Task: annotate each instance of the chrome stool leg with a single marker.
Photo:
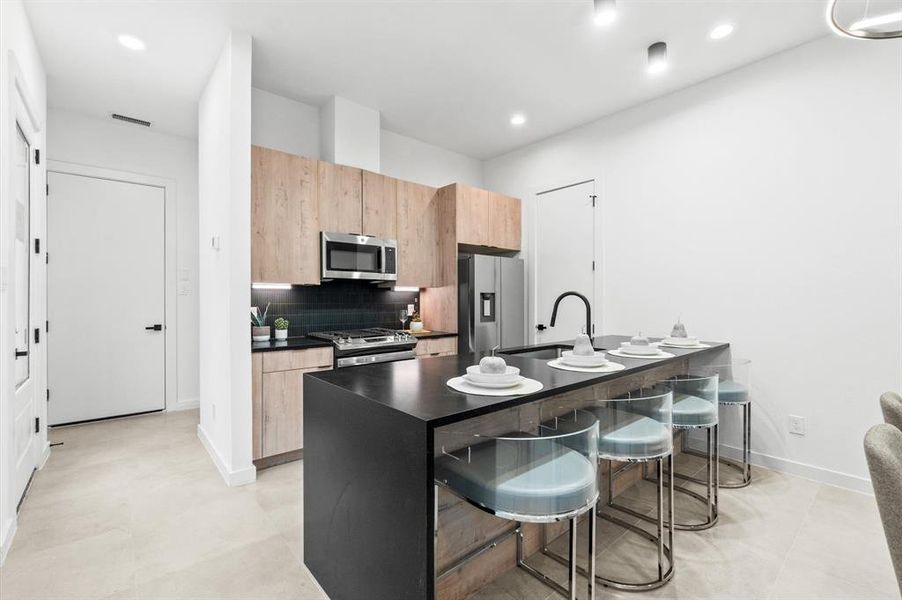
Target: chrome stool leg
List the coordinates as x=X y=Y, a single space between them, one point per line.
x=710 y=499
x=744 y=467
x=570 y=562
x=663 y=550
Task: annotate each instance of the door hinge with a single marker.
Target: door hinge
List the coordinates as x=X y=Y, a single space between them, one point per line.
x=48 y=395
x=593 y=197
x=37 y=424
x=47 y=259
x=37 y=246
x=37 y=335
x=593 y=265
x=37 y=156
x=47 y=326
x=48 y=189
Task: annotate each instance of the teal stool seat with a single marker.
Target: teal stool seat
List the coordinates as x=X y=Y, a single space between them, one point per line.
x=732 y=392
x=692 y=411
x=512 y=478
x=625 y=435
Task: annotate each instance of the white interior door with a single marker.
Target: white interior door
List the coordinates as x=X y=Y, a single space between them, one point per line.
x=105 y=297
x=24 y=410
x=564 y=260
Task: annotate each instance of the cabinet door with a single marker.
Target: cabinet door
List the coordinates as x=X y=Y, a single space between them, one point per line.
x=416 y=234
x=339 y=195
x=283 y=411
x=445 y=346
x=380 y=203
x=284 y=218
x=504 y=221
x=472 y=216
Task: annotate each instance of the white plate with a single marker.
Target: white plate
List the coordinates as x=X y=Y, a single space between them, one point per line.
x=527 y=386
x=608 y=367
x=510 y=376
x=576 y=360
x=661 y=354
x=686 y=341
x=683 y=346
x=493 y=384
x=646 y=350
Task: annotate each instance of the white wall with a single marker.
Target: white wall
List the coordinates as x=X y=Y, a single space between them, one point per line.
x=406 y=158
x=290 y=126
x=109 y=144
x=284 y=124
x=224 y=146
x=349 y=134
x=771 y=198
x=17 y=40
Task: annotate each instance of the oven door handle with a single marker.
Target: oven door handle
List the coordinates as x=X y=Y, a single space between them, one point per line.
x=370 y=359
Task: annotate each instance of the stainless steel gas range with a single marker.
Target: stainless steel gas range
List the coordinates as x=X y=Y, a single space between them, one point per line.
x=367 y=346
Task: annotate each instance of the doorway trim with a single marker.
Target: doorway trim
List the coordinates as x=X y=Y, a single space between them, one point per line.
x=532 y=213
x=170 y=269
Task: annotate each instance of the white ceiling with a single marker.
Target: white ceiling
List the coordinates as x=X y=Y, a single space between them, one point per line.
x=446 y=72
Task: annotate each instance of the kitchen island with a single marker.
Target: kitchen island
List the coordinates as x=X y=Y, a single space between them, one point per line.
x=370 y=503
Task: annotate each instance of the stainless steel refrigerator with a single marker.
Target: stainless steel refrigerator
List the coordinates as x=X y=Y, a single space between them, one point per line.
x=491 y=302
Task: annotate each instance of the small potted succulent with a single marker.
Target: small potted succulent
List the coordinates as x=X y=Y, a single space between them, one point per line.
x=281 y=325
x=416 y=323
x=259 y=328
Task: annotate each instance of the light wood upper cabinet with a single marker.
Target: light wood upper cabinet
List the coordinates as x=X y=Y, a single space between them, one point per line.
x=504 y=221
x=416 y=215
x=380 y=204
x=472 y=215
x=284 y=218
x=339 y=194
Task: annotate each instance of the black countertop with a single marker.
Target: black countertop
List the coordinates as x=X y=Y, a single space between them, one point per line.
x=418 y=387
x=292 y=343
x=299 y=343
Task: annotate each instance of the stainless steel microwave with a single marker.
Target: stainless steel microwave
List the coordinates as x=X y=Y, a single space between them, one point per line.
x=352 y=256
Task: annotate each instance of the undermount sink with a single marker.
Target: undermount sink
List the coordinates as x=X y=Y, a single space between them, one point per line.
x=548 y=352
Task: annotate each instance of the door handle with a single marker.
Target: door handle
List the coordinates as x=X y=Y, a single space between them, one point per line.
x=541 y=327
x=20 y=353
x=156 y=327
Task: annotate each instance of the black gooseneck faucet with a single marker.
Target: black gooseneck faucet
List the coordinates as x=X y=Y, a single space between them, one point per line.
x=588 y=310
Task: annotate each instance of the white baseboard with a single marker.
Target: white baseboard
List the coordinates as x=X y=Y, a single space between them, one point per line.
x=185 y=404
x=232 y=477
x=792 y=467
x=45 y=454
x=6 y=538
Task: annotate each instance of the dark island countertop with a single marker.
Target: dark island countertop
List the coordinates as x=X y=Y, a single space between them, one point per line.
x=418 y=388
x=302 y=342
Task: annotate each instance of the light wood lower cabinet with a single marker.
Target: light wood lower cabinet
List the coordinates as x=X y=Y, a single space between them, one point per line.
x=444 y=346
x=278 y=397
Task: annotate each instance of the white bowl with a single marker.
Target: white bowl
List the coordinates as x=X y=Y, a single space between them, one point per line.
x=628 y=348
x=511 y=375
x=681 y=341
x=577 y=360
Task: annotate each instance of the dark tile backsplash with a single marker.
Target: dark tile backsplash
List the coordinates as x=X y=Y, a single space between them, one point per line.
x=334 y=305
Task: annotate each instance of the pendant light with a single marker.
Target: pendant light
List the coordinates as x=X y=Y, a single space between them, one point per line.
x=605 y=11
x=657 y=58
x=866 y=19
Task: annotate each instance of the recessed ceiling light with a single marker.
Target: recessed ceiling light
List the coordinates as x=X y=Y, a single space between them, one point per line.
x=518 y=119
x=657 y=58
x=131 y=42
x=605 y=11
x=721 y=31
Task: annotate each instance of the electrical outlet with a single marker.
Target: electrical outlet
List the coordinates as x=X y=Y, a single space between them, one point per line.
x=410 y=309
x=797 y=425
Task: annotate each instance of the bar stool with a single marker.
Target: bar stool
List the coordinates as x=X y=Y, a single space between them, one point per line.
x=637 y=428
x=695 y=399
x=543 y=475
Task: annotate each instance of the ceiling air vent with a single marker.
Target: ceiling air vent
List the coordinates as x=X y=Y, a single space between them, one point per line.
x=132 y=120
